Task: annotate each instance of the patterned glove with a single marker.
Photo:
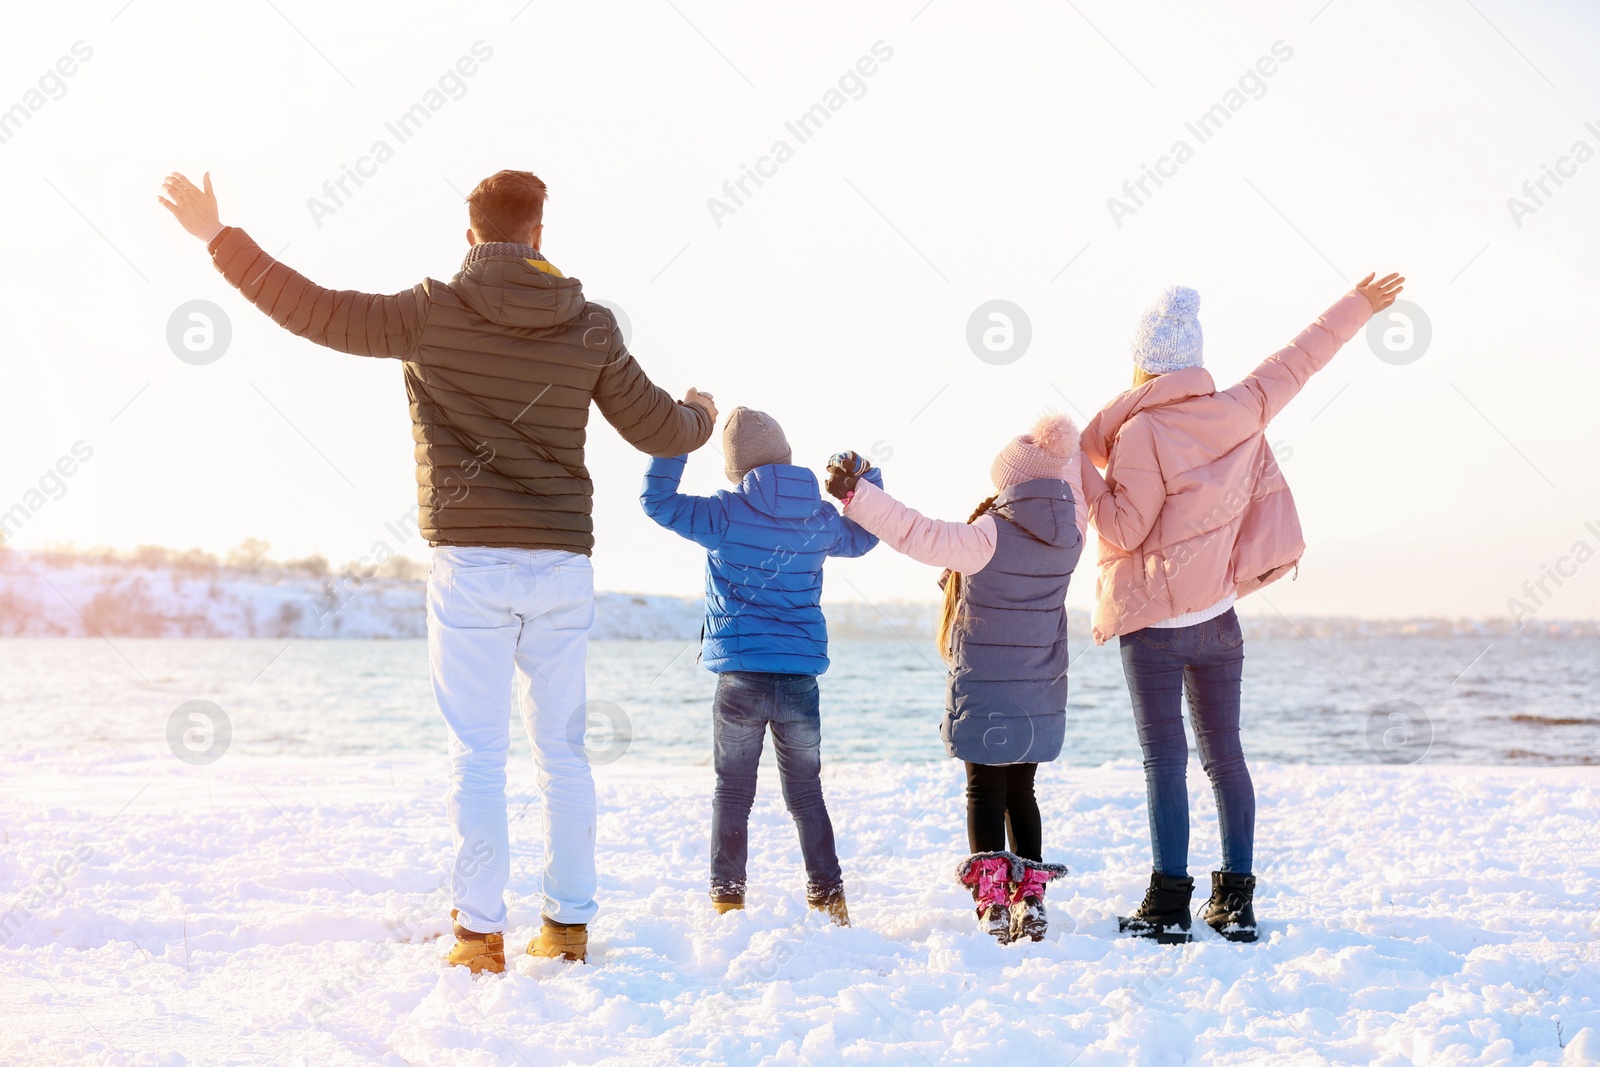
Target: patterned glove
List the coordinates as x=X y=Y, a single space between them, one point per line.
x=844 y=471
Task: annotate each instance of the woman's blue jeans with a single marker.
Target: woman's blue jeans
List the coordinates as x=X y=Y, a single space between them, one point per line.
x=746 y=703
x=1206 y=662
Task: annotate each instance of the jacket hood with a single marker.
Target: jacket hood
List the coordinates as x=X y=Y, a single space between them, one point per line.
x=782 y=491
x=513 y=285
x=1044 y=508
x=1174 y=387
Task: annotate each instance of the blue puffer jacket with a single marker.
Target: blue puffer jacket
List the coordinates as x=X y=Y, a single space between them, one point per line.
x=766 y=542
x=1007 y=697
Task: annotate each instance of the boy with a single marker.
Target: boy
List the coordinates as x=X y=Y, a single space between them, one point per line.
x=765 y=638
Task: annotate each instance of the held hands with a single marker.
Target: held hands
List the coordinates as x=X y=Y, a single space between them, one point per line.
x=844 y=471
x=701 y=400
x=1381 y=293
x=196 y=211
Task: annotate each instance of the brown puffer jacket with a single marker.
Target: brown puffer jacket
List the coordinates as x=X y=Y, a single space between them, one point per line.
x=501 y=363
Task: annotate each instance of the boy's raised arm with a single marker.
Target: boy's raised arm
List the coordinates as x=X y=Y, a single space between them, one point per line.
x=854 y=539
x=702 y=519
x=361 y=324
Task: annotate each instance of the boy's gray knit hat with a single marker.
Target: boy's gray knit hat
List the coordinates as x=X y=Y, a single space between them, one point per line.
x=751 y=439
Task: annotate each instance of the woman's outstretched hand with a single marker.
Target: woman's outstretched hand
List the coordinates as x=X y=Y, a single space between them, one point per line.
x=1381 y=293
x=195 y=209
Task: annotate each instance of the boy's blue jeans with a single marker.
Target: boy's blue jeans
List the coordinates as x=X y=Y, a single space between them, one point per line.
x=1206 y=662
x=746 y=702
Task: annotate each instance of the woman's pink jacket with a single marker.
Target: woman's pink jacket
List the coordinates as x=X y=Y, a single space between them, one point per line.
x=1193 y=507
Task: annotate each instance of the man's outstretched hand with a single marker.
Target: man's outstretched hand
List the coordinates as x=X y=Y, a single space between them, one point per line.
x=699 y=400
x=1381 y=293
x=195 y=210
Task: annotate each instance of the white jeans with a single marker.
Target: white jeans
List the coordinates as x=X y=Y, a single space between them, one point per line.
x=498 y=617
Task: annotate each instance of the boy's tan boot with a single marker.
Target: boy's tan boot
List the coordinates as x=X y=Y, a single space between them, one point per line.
x=559 y=942
x=726 y=902
x=477 y=952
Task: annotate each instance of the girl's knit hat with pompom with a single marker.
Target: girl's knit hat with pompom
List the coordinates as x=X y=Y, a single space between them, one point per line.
x=1168 y=337
x=1042 y=452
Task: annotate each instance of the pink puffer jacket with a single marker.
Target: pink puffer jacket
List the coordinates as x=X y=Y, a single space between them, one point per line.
x=1193 y=506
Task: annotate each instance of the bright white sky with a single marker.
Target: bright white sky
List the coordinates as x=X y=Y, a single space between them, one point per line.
x=976 y=166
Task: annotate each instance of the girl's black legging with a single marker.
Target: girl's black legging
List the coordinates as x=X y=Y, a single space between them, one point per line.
x=1000 y=801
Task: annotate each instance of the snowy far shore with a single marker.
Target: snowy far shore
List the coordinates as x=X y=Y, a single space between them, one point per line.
x=159 y=593
x=290 y=911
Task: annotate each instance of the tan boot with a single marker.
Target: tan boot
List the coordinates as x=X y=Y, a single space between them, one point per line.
x=558 y=942
x=725 y=903
x=834 y=908
x=477 y=952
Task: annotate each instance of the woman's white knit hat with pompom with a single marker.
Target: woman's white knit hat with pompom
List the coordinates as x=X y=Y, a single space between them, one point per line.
x=1168 y=337
x=1043 y=452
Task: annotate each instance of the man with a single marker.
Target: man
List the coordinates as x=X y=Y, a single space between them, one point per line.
x=500 y=364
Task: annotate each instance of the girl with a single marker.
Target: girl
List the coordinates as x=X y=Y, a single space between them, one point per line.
x=1192 y=513
x=1003 y=631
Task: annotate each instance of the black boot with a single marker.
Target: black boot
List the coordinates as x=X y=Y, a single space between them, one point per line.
x=1231 y=910
x=1164 y=915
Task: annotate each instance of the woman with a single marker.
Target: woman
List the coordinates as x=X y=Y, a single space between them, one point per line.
x=1192 y=513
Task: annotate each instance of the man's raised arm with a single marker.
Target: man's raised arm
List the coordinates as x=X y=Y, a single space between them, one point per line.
x=645 y=414
x=359 y=323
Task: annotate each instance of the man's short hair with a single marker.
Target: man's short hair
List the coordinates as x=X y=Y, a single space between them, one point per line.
x=506 y=206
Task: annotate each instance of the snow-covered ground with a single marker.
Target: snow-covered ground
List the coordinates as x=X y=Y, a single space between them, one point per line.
x=286 y=910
